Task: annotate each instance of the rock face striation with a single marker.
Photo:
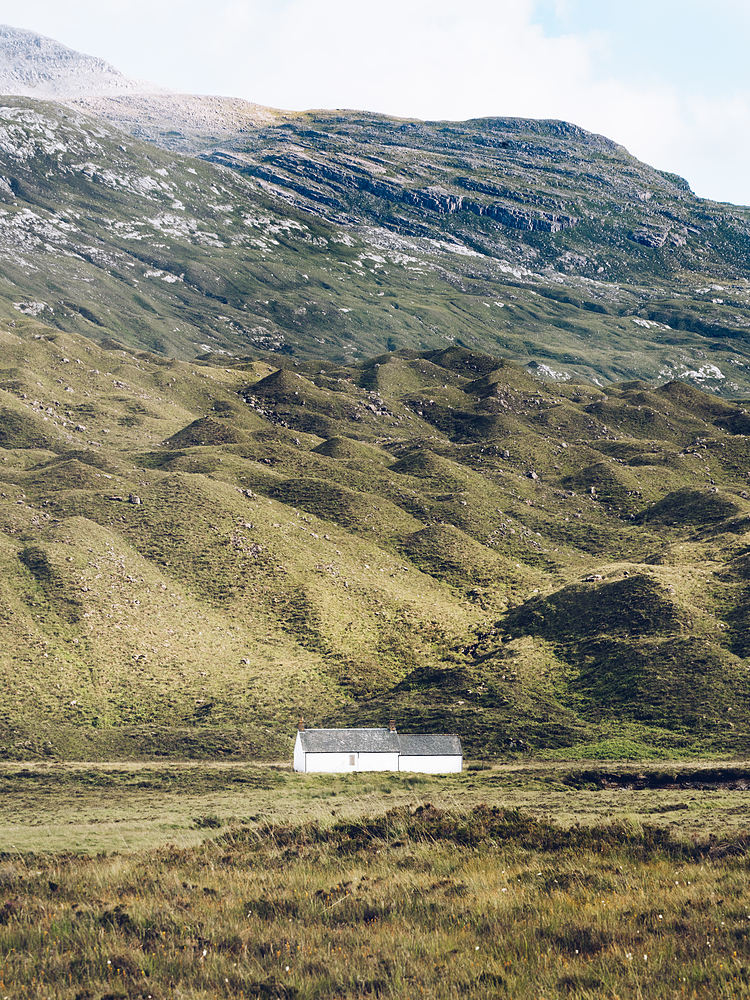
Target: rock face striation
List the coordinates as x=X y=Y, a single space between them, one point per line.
x=34 y=66
x=545 y=195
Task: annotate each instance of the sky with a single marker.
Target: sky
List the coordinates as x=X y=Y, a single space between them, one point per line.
x=668 y=79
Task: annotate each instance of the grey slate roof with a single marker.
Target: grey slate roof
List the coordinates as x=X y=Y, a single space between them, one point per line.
x=378 y=741
x=430 y=745
x=349 y=741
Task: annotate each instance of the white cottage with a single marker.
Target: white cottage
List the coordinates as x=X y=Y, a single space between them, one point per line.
x=342 y=750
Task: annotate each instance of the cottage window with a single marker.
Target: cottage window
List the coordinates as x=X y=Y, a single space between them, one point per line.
x=351 y=760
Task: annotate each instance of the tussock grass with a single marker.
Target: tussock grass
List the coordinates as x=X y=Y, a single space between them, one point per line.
x=413 y=902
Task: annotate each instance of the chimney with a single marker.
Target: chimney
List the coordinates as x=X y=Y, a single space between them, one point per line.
x=393 y=726
x=301 y=726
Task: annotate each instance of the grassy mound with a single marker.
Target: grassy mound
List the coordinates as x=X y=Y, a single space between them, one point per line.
x=204 y=431
x=22 y=430
x=690 y=398
x=361 y=511
x=345 y=449
x=424 y=464
x=616 y=487
x=71 y=474
x=447 y=553
x=693 y=507
x=684 y=683
x=635 y=605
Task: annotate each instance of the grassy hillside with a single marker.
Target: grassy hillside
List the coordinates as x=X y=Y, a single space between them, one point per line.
x=195 y=554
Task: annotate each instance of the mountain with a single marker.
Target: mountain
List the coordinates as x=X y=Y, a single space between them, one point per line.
x=348 y=416
x=34 y=66
x=337 y=235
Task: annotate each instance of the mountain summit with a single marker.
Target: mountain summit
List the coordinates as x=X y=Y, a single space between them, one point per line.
x=32 y=65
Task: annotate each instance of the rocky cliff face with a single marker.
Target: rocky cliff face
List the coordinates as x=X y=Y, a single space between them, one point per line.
x=588 y=206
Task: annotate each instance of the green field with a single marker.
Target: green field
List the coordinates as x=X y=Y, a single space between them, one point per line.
x=115 y=807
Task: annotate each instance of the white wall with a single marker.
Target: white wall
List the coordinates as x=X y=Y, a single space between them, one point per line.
x=299 y=756
x=377 y=761
x=330 y=763
x=431 y=765
x=339 y=763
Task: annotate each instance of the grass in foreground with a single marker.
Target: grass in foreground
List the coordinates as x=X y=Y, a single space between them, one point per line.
x=422 y=902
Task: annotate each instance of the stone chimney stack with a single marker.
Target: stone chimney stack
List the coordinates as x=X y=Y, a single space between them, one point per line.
x=301 y=724
x=393 y=726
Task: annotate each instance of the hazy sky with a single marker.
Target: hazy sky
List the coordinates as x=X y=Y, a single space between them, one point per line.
x=669 y=79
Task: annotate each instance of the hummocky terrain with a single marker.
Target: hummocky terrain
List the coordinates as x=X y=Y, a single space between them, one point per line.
x=195 y=554
x=345 y=416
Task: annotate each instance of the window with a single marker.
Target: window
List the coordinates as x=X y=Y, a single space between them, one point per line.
x=351 y=760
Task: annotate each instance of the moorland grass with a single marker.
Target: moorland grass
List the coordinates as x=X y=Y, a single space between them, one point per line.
x=418 y=902
x=133 y=805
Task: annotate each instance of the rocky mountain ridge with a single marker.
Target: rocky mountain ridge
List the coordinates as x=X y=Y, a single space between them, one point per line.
x=116 y=238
